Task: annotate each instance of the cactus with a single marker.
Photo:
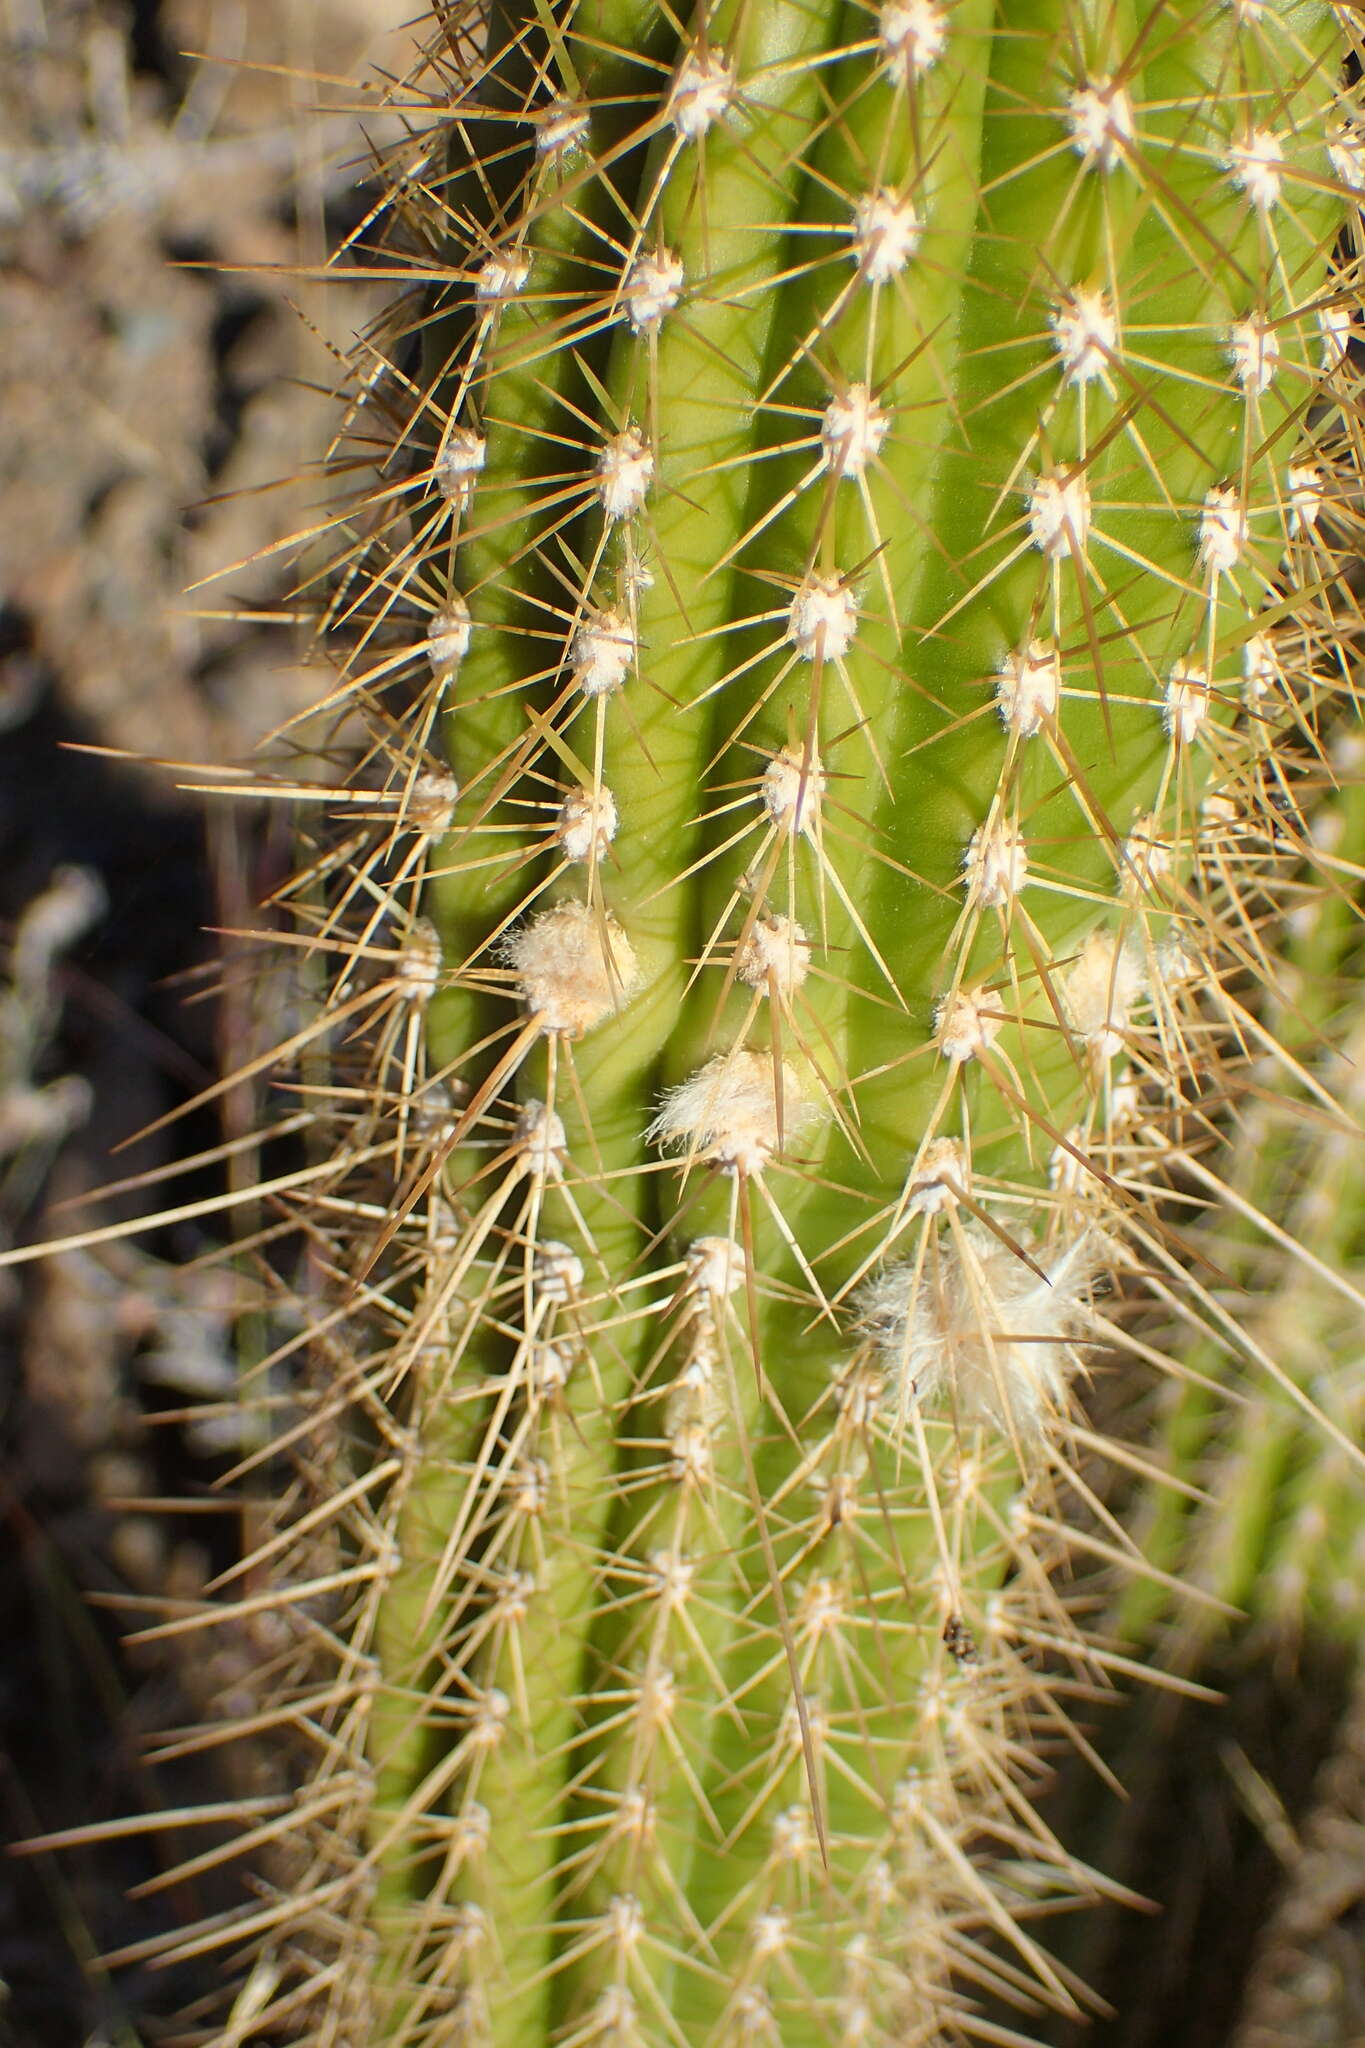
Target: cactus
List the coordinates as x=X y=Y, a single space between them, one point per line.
x=848 y=494
x=1279 y=1534
x=1260 y=1512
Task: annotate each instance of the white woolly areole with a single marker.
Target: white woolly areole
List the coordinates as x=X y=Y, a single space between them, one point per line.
x=964 y=1025
x=514 y=1592
x=448 y=632
x=793 y=1836
x=588 y=819
x=775 y=957
x=672 y=1577
x=1220 y=811
x=1059 y=515
x=886 y=234
x=1085 y=333
x=852 y=431
x=1185 y=706
x=913 y=35
x=1247 y=13
x=821 y=1609
x=1254 y=352
x=488 y=1712
x=551 y=1364
x=692 y=1396
x=458 y=466
x=1224 y=531
x=1306 y=496
x=429 y=805
x=1334 y=325
x=792 y=791
x=560 y=127
x=727 y=1113
x=529 y=1489
x=1260 y=670
x=471 y=1829
x=715 y=1269
x=614 y=2018
x=1125 y=1094
x=751 y=2023
x=823 y=619
x=1100 y=117
x=1102 y=988
x=1146 y=858
x=1346 y=149
x=691 y=1456
x=995 y=865
x=1028 y=688
x=652 y=289
x=625 y=471
x=855 y=2020
x=602 y=653
x=541 y=1141
x=1256 y=167
x=557 y=1271
x=770 y=1933
x=634 y=1817
x=976 y=1327
x=573 y=968
x=502 y=275
x=419 y=967
x=937 y=1177
x=625 y=1923
x=703 y=87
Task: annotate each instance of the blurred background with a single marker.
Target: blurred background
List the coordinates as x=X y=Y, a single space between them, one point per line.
x=169 y=172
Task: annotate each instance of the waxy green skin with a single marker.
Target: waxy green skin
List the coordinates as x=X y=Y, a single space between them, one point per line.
x=1284 y=1543
x=935 y=542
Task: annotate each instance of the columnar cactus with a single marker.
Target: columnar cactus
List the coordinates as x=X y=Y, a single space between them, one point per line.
x=1279 y=1533
x=859 y=502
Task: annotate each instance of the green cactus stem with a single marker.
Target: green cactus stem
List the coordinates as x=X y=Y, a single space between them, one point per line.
x=862 y=508
x=1280 y=1537
x=848 y=487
